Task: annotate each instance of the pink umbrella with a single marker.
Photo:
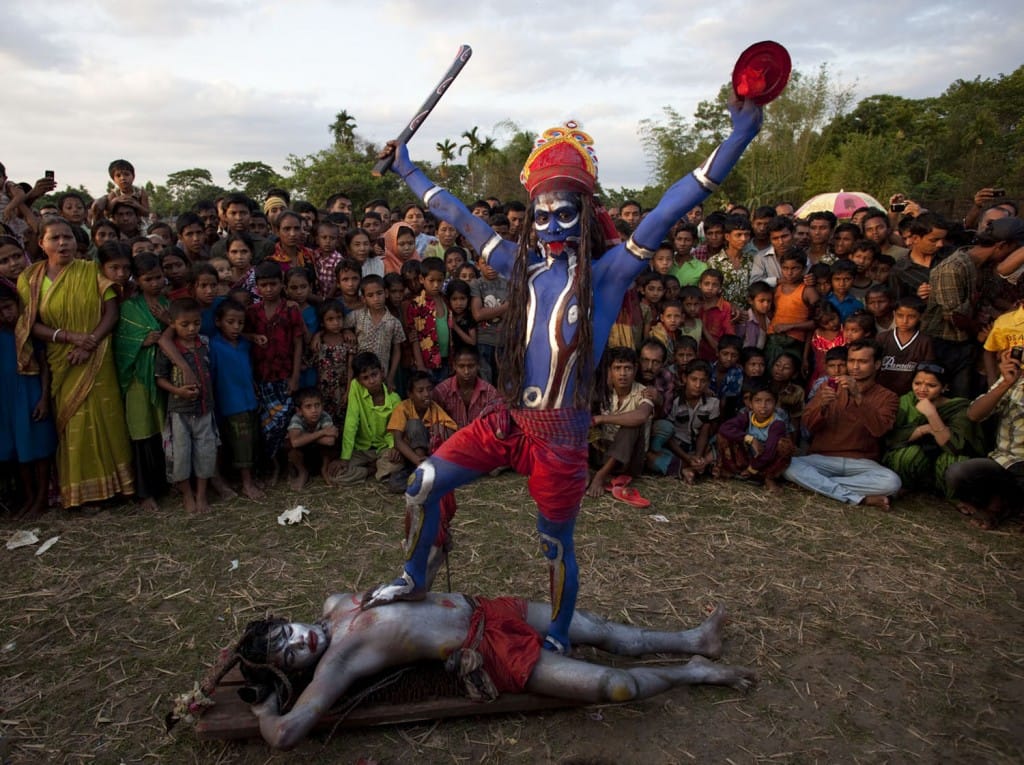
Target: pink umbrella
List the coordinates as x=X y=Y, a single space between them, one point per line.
x=842 y=203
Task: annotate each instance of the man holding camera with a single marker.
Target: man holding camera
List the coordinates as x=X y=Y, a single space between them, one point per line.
x=950 y=318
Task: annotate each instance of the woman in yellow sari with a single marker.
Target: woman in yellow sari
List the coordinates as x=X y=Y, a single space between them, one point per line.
x=70 y=306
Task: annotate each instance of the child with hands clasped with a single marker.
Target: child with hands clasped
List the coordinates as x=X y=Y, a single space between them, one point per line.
x=312 y=435
x=333 y=349
x=683 y=445
x=754 y=444
x=427 y=319
x=190 y=435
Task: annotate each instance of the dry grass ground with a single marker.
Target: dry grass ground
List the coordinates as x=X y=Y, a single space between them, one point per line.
x=878 y=637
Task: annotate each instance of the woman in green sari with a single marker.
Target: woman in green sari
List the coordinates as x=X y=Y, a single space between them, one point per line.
x=70 y=306
x=931 y=433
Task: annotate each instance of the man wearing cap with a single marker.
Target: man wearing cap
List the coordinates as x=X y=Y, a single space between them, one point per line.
x=951 y=315
x=564 y=294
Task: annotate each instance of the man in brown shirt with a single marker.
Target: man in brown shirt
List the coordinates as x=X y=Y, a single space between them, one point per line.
x=848 y=418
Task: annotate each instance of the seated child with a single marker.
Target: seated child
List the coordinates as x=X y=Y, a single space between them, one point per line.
x=754 y=444
x=122 y=173
x=683 y=445
x=620 y=429
x=835 y=366
x=418 y=426
x=190 y=436
x=367 y=448
x=311 y=438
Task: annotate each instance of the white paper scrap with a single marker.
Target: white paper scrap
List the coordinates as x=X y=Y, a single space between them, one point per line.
x=47 y=545
x=293 y=516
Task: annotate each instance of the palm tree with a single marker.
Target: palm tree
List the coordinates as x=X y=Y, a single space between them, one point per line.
x=446 y=149
x=343 y=128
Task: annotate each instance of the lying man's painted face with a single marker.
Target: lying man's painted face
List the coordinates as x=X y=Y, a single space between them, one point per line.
x=556 y=218
x=293 y=645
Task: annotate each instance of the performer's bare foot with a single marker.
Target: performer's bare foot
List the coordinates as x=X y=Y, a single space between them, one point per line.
x=250 y=490
x=221 y=487
x=403 y=588
x=877 y=500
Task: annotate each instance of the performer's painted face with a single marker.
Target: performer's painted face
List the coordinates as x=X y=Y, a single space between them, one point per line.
x=556 y=217
x=296 y=646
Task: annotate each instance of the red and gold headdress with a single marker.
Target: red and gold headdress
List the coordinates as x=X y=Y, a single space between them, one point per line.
x=563 y=160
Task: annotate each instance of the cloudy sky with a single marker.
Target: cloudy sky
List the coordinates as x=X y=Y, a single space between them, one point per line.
x=190 y=83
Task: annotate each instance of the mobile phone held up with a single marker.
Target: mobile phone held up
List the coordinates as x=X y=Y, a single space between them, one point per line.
x=48 y=174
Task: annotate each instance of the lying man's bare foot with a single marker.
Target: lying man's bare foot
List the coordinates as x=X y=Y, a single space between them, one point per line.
x=740 y=678
x=877 y=500
x=710 y=631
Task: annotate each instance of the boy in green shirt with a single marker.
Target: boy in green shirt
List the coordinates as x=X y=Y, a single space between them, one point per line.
x=367 y=448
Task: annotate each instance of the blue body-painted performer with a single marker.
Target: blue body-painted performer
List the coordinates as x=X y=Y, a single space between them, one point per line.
x=565 y=293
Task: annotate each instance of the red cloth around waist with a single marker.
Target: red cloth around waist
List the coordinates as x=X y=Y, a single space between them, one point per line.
x=509 y=646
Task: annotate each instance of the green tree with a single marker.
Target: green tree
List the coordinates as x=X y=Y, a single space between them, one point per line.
x=254 y=178
x=446 y=149
x=187 y=187
x=316 y=176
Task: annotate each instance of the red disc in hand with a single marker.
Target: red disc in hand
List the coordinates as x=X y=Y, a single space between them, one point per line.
x=761 y=72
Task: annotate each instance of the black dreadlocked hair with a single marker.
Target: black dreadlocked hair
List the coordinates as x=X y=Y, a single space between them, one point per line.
x=512 y=371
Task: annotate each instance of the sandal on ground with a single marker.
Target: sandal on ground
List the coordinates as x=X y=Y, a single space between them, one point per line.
x=630 y=496
x=619 y=480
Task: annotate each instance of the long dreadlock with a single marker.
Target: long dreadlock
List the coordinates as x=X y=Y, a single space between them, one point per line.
x=512 y=371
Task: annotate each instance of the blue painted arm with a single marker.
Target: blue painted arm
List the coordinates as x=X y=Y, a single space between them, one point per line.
x=698 y=185
x=445 y=206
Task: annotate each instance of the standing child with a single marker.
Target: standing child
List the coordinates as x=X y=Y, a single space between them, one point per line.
x=788 y=394
x=312 y=436
x=686 y=351
x=347 y=275
x=359 y=248
x=204 y=281
x=904 y=346
x=326 y=258
x=652 y=292
x=176 y=272
x=367 y=448
x=116 y=264
x=378 y=331
x=234 y=392
x=692 y=326
x=222 y=266
x=297 y=289
x=460 y=320
x=427 y=319
x=666 y=328
x=122 y=173
x=859 y=325
x=27 y=434
x=239 y=249
x=716 y=314
x=794 y=307
x=489 y=306
x=754 y=444
x=879 y=304
x=277 y=332
x=827 y=334
x=753 y=325
x=142 y=321
x=821 y=275
x=334 y=349
x=190 y=436
x=661 y=263
x=863 y=257
x=843 y=272
x=727 y=375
